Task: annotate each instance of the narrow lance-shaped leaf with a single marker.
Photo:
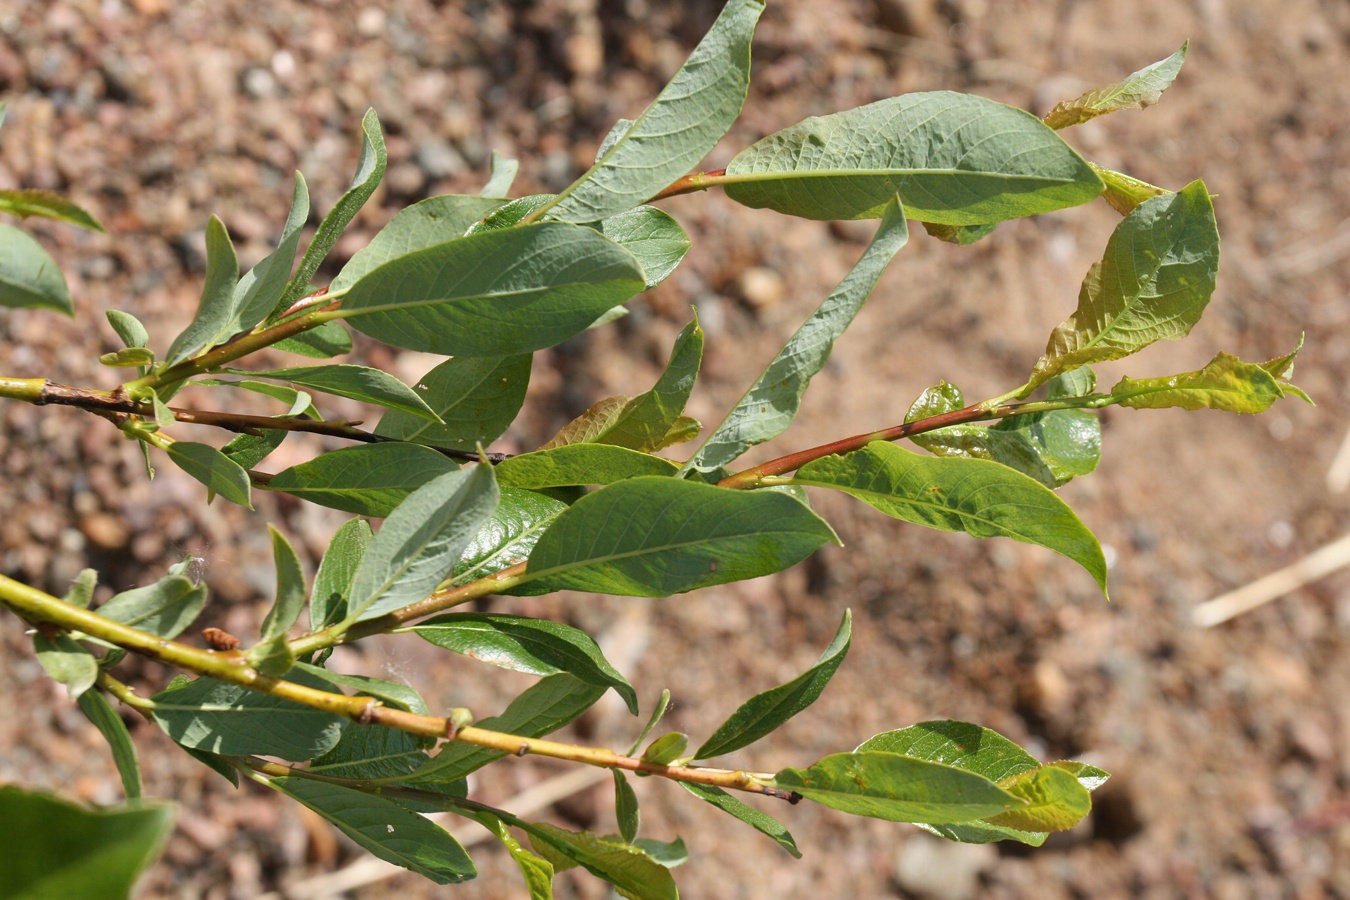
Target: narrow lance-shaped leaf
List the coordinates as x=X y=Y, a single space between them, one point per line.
x=419 y=543
x=626 y=809
x=214 y=469
x=165 y=608
x=580 y=464
x=370 y=166
x=369 y=480
x=652 y=537
x=496 y=292
x=952 y=158
x=261 y=289
x=385 y=829
x=476 y=398
x=27 y=202
x=1153 y=283
x=681 y=126
x=1139 y=90
x=99 y=711
x=981 y=498
x=29 y=277
x=633 y=873
x=333 y=582
x=355 y=382
x=1225 y=382
x=271 y=655
x=504 y=171
x=215 y=310
x=761 y=822
x=772 y=402
x=538 y=873
x=764 y=712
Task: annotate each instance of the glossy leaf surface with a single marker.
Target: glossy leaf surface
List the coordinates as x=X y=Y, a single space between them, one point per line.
x=369 y=480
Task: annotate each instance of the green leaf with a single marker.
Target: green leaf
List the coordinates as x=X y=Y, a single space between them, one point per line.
x=127 y=358
x=583 y=464
x=504 y=171
x=509 y=535
x=128 y=328
x=626 y=809
x=428 y=223
x=355 y=382
x=510 y=214
x=534 y=646
x=250 y=449
x=952 y=158
x=656 y=239
x=542 y=709
x=1139 y=90
x=370 y=166
x=761 y=822
x=1153 y=283
x=666 y=749
x=271 y=655
x=495 y=293
x=1282 y=367
x=1123 y=192
x=259 y=291
x=232 y=720
x=420 y=542
x=214 y=469
x=81 y=591
x=964 y=235
x=608 y=415
x=333 y=582
x=385 y=829
x=764 y=712
x=320 y=342
x=766 y=410
x=47 y=205
x=679 y=128
x=612 y=137
x=67 y=662
x=476 y=399
x=393 y=693
x=1225 y=382
x=668 y=853
x=538 y=873
x=57 y=849
x=99 y=711
x=981 y=498
x=215 y=309
x=369 y=480
x=633 y=873
x=658 y=713
x=652 y=537
x=897 y=788
x=165 y=608
x=298 y=403
x=1055 y=801
x=29 y=277
x=370 y=753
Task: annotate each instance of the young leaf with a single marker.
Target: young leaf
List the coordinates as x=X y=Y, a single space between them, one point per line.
x=165 y=608
x=370 y=166
x=626 y=809
x=764 y=712
x=333 y=581
x=231 y=720
x=583 y=464
x=324 y=340
x=271 y=656
x=897 y=788
x=54 y=848
x=67 y=662
x=1123 y=192
x=540 y=710
x=356 y=382
x=658 y=713
x=81 y=591
x=1153 y=283
x=476 y=399
x=681 y=126
x=981 y=498
x=651 y=235
x=535 y=646
x=538 y=873
x=99 y=711
x=772 y=402
x=633 y=873
x=47 y=205
x=1225 y=382
x=504 y=171
x=215 y=310
x=29 y=277
x=1139 y=90
x=421 y=540
x=1055 y=801
x=428 y=223
x=384 y=828
x=761 y=822
x=509 y=535
x=666 y=749
x=128 y=328
x=214 y=469
x=298 y=403
x=127 y=358
x=952 y=158
x=652 y=537
x=668 y=853
x=608 y=415
x=260 y=290
x=495 y=293
x=369 y=480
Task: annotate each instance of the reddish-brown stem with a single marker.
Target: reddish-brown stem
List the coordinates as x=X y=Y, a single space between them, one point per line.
x=689 y=184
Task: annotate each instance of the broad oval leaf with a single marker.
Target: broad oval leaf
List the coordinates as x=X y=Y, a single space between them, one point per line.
x=509 y=534
x=981 y=498
x=214 y=469
x=476 y=399
x=1139 y=90
x=651 y=235
x=580 y=464
x=666 y=749
x=29 y=277
x=953 y=159
x=421 y=540
x=67 y=662
x=1225 y=382
x=1055 y=801
x=495 y=293
x=215 y=309
x=369 y=480
x=164 y=608
x=652 y=537
x=897 y=788
x=678 y=129
x=764 y=712
x=333 y=582
x=535 y=646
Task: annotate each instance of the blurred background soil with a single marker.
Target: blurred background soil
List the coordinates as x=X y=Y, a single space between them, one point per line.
x=1230 y=746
